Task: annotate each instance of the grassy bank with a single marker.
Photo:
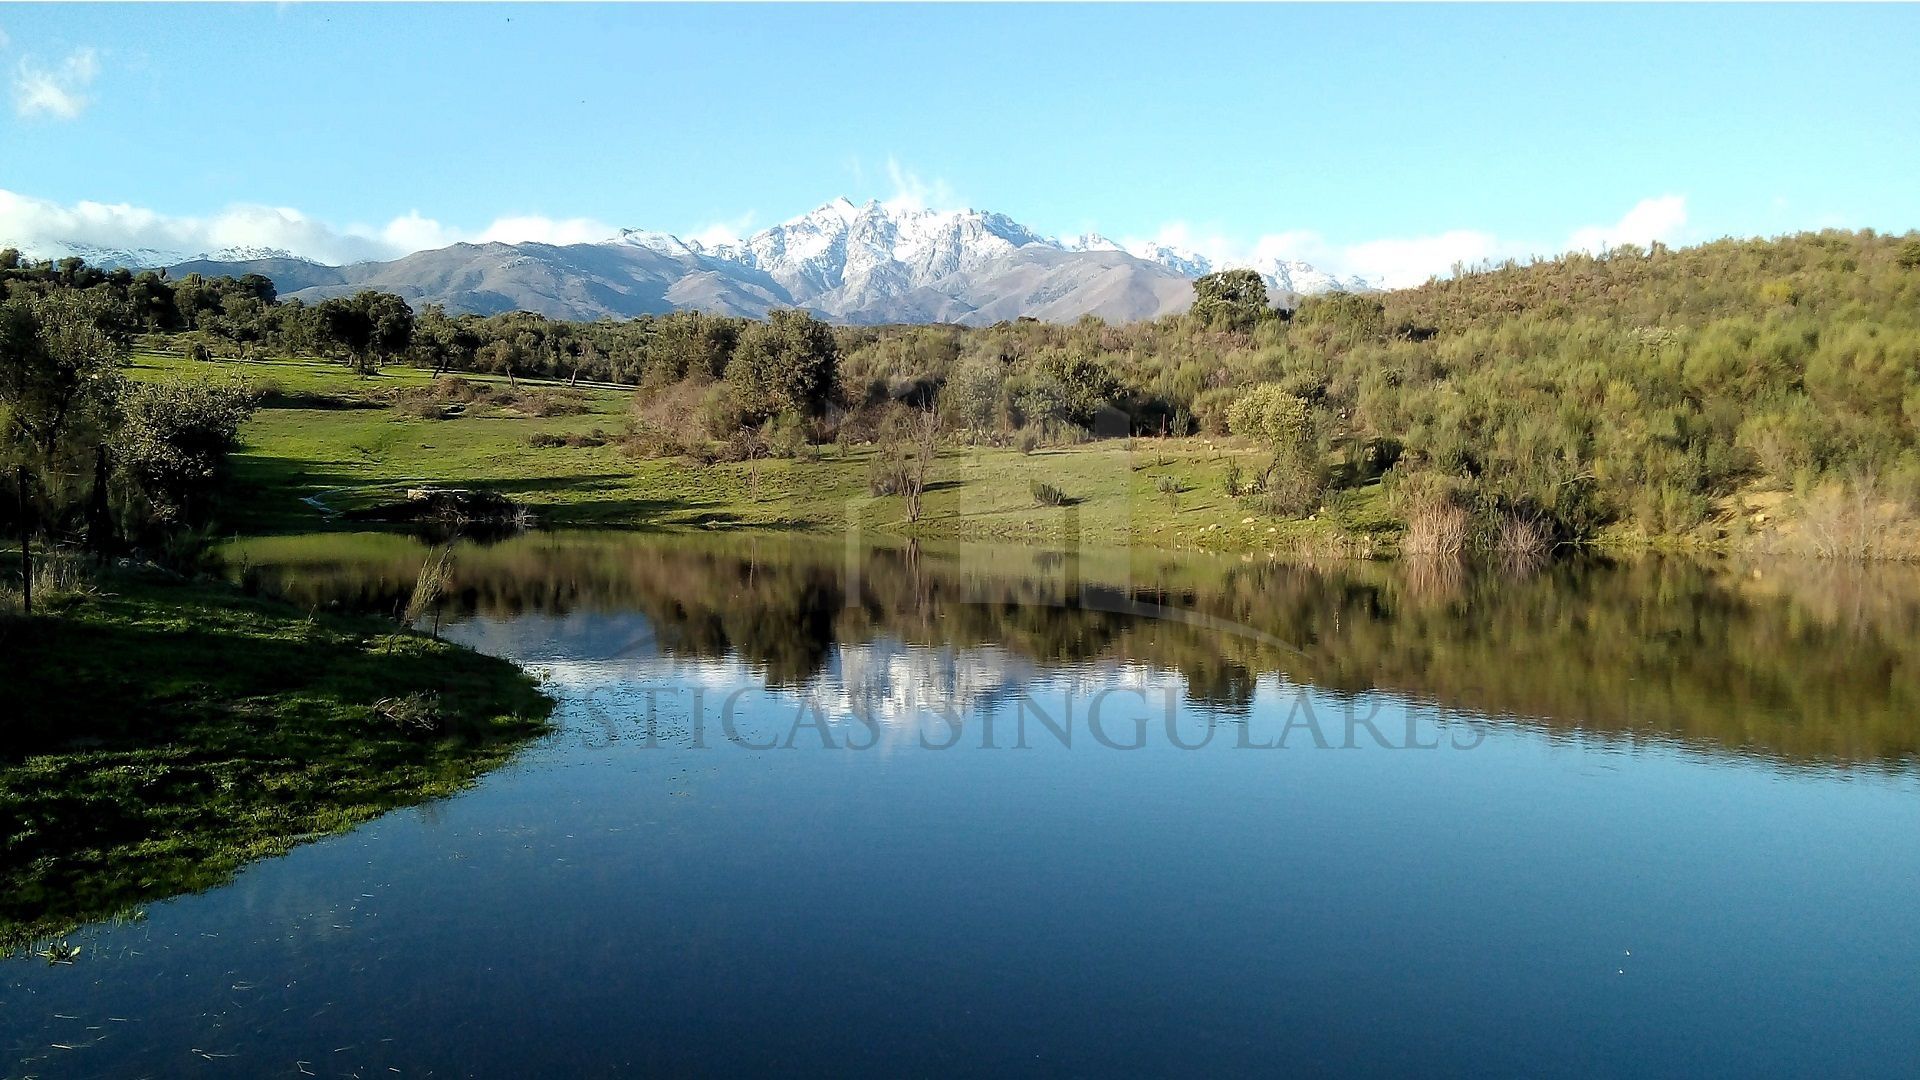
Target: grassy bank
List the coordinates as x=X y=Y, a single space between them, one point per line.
x=328 y=440
x=162 y=734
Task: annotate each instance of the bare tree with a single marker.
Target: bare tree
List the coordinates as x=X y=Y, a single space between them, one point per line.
x=924 y=429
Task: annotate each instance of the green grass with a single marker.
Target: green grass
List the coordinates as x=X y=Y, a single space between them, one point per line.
x=347 y=458
x=162 y=734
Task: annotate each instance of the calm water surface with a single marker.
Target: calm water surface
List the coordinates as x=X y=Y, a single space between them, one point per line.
x=1648 y=818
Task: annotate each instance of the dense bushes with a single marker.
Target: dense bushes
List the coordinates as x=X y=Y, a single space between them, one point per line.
x=89 y=456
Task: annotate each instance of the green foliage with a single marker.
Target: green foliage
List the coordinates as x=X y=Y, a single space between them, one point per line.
x=173 y=441
x=370 y=328
x=787 y=363
x=1356 y=316
x=975 y=393
x=60 y=354
x=1230 y=300
x=60 y=384
x=1274 y=417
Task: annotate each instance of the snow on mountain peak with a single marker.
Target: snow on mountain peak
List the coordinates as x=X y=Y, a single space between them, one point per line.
x=847 y=253
x=248 y=252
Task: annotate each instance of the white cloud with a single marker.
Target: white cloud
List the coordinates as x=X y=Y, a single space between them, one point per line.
x=40 y=225
x=412 y=232
x=910 y=192
x=58 y=92
x=415 y=232
x=1392 y=262
x=4 y=39
x=1400 y=262
x=724 y=232
x=1659 y=218
x=542 y=230
x=37 y=225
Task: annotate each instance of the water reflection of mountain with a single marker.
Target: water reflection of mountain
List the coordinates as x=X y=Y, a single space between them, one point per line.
x=1801 y=662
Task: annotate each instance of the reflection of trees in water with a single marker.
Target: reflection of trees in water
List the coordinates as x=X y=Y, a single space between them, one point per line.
x=1797 y=660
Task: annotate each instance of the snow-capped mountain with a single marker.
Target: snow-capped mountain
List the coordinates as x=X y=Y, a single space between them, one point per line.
x=107 y=258
x=249 y=251
x=110 y=258
x=844 y=257
x=853 y=262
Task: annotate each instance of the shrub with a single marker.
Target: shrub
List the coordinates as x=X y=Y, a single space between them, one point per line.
x=1524 y=536
x=786 y=435
x=1293 y=488
x=1272 y=416
x=417 y=713
x=173 y=442
x=1844 y=520
x=973 y=394
x=1438 y=528
x=546 y=401
x=1045 y=494
x=650 y=442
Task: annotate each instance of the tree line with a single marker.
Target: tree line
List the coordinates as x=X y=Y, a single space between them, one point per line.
x=90 y=458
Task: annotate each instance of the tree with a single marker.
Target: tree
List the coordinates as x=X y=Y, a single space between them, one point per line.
x=974 y=392
x=908 y=444
x=392 y=322
x=191 y=297
x=151 y=298
x=172 y=444
x=60 y=354
x=690 y=343
x=1296 y=478
x=1910 y=254
x=1231 y=300
x=371 y=327
x=442 y=343
x=788 y=362
x=343 y=326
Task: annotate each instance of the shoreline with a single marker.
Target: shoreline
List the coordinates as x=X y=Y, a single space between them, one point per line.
x=170 y=732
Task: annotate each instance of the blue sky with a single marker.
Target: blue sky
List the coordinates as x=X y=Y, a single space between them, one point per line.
x=1380 y=138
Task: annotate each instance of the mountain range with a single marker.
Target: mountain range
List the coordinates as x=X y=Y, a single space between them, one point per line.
x=854 y=263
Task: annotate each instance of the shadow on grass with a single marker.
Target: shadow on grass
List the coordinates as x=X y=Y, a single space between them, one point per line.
x=267 y=495
x=301 y=400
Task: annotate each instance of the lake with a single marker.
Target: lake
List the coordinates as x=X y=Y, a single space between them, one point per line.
x=813 y=807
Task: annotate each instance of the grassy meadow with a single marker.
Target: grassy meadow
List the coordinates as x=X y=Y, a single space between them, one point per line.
x=327 y=440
